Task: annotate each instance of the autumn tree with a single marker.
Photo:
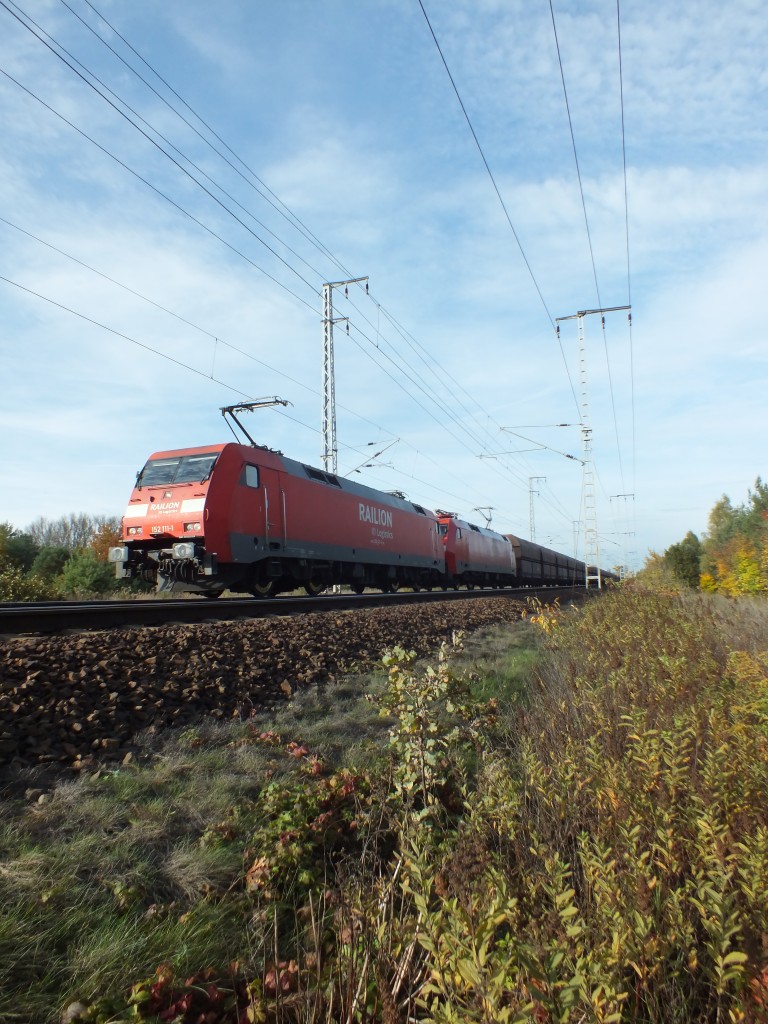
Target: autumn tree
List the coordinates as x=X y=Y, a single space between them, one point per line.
x=75 y=532
x=657 y=575
x=107 y=535
x=734 y=556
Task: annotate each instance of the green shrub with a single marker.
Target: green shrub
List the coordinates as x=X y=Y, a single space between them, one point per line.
x=49 y=562
x=83 y=575
x=15 y=585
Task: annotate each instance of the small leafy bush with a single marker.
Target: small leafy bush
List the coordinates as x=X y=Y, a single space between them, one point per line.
x=16 y=585
x=84 y=574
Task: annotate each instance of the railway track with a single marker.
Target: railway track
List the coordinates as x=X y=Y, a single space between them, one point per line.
x=74 y=699
x=62 y=616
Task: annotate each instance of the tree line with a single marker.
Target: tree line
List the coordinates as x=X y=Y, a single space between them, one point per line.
x=732 y=556
x=58 y=558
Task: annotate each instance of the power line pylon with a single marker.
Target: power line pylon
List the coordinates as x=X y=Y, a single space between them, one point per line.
x=592 y=575
x=330 y=448
x=531 y=524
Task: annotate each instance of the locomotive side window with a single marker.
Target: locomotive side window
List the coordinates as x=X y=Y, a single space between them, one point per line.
x=250 y=476
x=180 y=469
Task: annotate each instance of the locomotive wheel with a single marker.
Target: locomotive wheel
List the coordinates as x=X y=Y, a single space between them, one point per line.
x=263 y=589
x=212 y=595
x=357 y=588
x=390 y=587
x=314 y=587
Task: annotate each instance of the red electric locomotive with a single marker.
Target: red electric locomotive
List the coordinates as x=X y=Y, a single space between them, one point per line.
x=476 y=556
x=246 y=518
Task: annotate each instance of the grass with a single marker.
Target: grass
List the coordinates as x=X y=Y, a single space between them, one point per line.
x=567 y=822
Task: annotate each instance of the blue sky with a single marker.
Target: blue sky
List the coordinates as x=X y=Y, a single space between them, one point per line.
x=332 y=133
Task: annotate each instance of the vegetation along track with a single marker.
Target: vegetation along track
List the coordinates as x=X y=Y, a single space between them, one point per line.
x=70 y=701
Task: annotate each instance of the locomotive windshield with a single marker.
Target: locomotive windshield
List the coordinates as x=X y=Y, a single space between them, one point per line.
x=179 y=469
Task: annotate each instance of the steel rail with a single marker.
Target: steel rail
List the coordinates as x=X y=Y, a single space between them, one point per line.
x=59 y=617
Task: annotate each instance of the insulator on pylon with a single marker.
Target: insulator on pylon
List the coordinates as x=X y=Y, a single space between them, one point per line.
x=346 y=292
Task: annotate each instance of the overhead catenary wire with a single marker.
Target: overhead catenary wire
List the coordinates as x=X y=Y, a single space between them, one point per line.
x=397 y=357
x=214 y=337
x=186 y=366
x=289 y=214
x=589 y=236
x=200 y=373
x=150 y=185
x=452 y=387
x=510 y=473
x=626 y=233
x=275 y=200
x=149 y=348
x=487 y=165
x=160 y=134
x=176 y=163
x=499 y=196
x=155 y=189
x=159 y=147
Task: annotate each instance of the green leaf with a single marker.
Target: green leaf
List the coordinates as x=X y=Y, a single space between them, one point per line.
x=734 y=958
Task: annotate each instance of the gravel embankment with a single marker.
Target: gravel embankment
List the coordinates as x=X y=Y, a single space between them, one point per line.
x=71 y=700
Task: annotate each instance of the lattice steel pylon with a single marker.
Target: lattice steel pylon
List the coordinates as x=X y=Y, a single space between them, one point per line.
x=531 y=521
x=330 y=447
x=589 y=501
x=592 y=575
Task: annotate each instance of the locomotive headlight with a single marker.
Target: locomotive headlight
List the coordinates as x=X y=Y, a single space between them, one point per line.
x=183 y=550
x=134 y=530
x=118 y=554
x=192 y=527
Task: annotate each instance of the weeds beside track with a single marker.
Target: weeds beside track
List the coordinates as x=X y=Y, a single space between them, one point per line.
x=571 y=832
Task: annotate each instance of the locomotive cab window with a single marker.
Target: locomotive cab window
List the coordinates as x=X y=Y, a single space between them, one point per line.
x=250 y=476
x=180 y=469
